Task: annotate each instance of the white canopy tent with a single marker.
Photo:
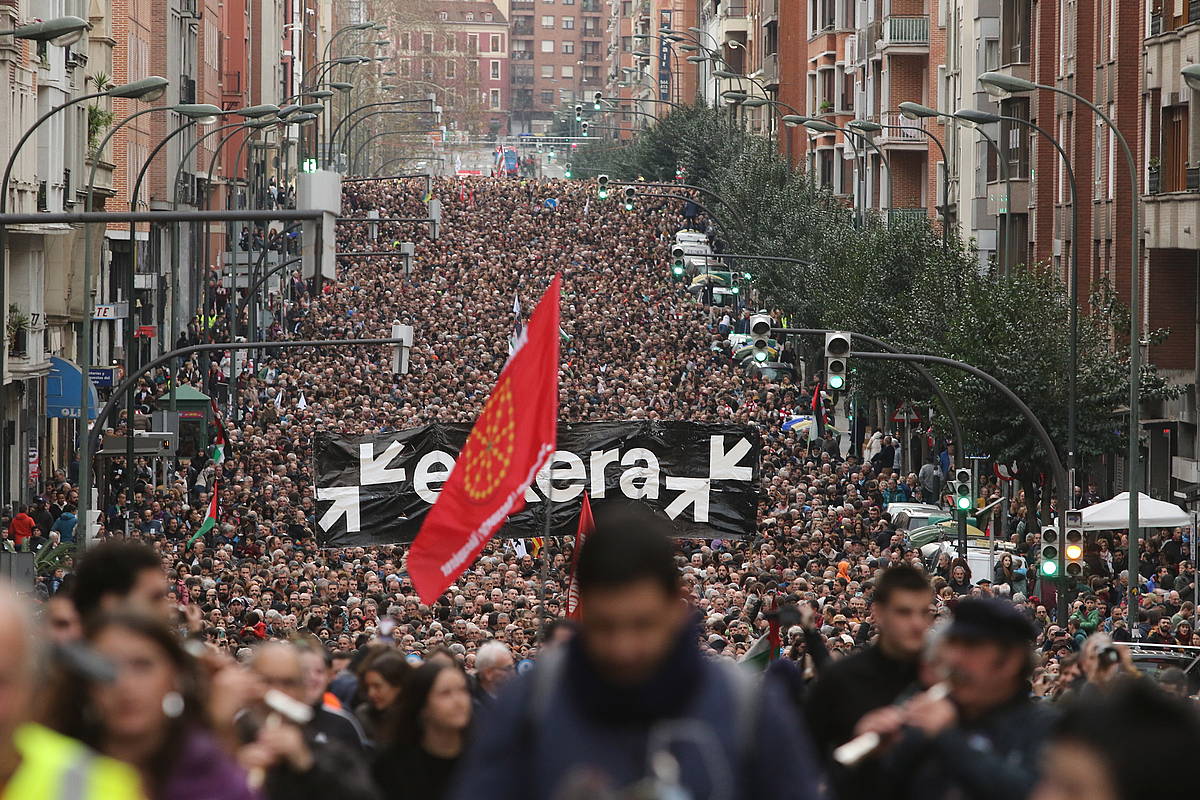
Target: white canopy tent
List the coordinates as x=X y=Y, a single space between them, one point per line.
x=1114 y=514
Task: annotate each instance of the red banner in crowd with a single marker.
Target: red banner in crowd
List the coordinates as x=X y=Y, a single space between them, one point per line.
x=513 y=438
x=586 y=525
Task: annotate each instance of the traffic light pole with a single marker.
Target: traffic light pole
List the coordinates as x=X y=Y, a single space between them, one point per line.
x=934 y=385
x=1039 y=430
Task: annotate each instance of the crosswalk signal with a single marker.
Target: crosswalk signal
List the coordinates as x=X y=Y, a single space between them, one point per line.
x=760 y=337
x=579 y=112
x=602 y=191
x=963 y=491
x=837 y=348
x=596 y=98
x=1073 y=543
x=1049 y=551
x=630 y=194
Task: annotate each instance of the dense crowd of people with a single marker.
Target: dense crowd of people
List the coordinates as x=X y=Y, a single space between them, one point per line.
x=385 y=691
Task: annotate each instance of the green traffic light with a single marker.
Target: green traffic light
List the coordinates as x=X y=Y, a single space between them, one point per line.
x=604 y=194
x=1049 y=568
x=837 y=381
x=678 y=270
x=963 y=502
x=629 y=206
x=761 y=355
x=566 y=173
x=737 y=290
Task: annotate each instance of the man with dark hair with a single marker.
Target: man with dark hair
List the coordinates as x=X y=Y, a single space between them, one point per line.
x=119 y=573
x=982 y=736
x=874 y=677
x=630 y=699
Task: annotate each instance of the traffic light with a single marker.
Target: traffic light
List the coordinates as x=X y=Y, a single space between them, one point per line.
x=567 y=170
x=963 y=491
x=1048 y=552
x=583 y=128
x=579 y=112
x=678 y=265
x=1073 y=543
x=630 y=194
x=760 y=336
x=602 y=191
x=837 y=348
x=596 y=98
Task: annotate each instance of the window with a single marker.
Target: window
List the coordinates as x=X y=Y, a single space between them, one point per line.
x=568 y=23
x=548 y=22
x=472 y=43
x=451 y=44
x=547 y=45
x=470 y=16
x=494 y=98
x=627 y=8
x=568 y=71
x=626 y=44
x=1015 y=31
x=451 y=69
x=568 y=2
x=547 y=70
x=427 y=42
x=495 y=70
x=443 y=16
x=568 y=48
x=497 y=44
x=991 y=54
x=404 y=67
x=473 y=70
x=547 y=96
x=404 y=41
x=487 y=16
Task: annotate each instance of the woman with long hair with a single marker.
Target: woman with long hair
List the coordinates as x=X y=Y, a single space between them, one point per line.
x=150 y=714
x=430 y=734
x=382 y=678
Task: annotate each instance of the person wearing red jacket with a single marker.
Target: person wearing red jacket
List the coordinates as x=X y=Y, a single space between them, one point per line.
x=21 y=527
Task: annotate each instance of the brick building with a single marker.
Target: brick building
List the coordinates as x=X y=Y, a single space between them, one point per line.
x=558 y=57
x=461 y=52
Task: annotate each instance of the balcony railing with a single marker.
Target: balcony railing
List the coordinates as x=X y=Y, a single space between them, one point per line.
x=907 y=30
x=770 y=69
x=522 y=55
x=906 y=215
x=591 y=57
x=592 y=33
x=522 y=29
x=522 y=5
x=737 y=9
x=899 y=128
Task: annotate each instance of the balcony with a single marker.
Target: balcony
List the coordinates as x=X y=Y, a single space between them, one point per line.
x=591 y=58
x=590 y=7
x=736 y=9
x=522 y=5
x=769 y=11
x=522 y=28
x=900 y=131
x=770 y=69
x=592 y=33
x=906 y=34
x=522 y=55
x=1173 y=218
x=521 y=80
x=903 y=216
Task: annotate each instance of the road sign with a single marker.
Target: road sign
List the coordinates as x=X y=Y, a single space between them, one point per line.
x=906 y=413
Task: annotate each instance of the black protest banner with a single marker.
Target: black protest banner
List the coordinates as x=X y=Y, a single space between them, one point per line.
x=703 y=477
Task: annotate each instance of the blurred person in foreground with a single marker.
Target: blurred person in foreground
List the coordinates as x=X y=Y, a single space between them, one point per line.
x=150 y=714
x=1102 y=747
x=630 y=704
x=984 y=739
x=874 y=677
x=493 y=667
x=430 y=734
x=35 y=761
x=383 y=676
x=291 y=759
x=120 y=574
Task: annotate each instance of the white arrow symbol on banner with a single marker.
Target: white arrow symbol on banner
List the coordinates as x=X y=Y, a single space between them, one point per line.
x=345 y=501
x=373 y=470
x=723 y=465
x=695 y=493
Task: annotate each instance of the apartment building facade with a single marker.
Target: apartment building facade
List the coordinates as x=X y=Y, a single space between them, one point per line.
x=558 y=58
x=461 y=52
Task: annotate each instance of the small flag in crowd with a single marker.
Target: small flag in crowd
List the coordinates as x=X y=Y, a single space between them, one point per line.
x=538 y=543
x=513 y=438
x=219 y=445
x=279 y=400
x=587 y=524
x=210 y=519
x=302 y=403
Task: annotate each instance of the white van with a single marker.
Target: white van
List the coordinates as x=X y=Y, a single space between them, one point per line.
x=690 y=236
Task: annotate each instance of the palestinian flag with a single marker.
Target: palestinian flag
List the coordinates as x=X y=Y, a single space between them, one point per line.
x=759 y=654
x=216 y=450
x=210 y=519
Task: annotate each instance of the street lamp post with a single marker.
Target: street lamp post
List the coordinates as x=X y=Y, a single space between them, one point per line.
x=977 y=119
x=146 y=90
x=821 y=126
x=1008 y=83
x=945 y=174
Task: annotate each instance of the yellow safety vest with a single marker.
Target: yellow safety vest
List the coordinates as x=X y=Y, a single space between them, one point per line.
x=55 y=767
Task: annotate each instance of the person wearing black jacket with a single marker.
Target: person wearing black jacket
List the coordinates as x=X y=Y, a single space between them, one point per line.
x=877 y=676
x=984 y=738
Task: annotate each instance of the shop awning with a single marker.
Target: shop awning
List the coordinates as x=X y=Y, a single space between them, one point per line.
x=62 y=390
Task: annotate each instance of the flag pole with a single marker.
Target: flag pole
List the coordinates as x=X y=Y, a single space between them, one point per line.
x=545 y=553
